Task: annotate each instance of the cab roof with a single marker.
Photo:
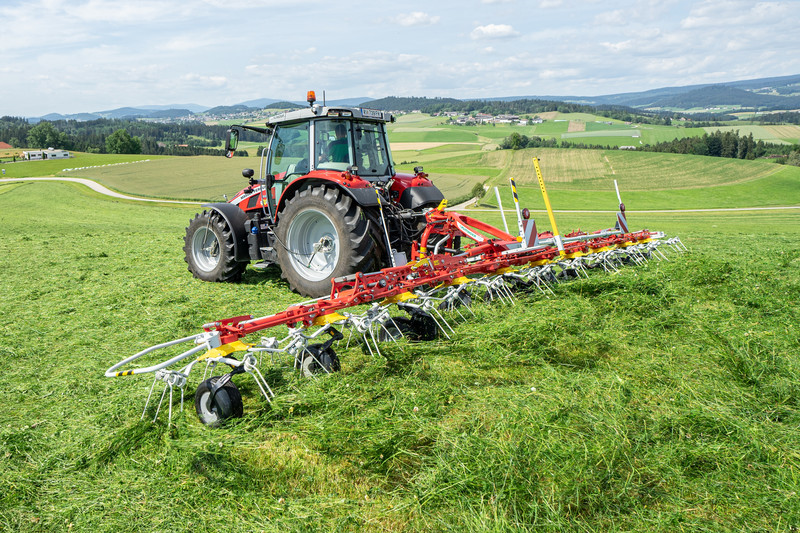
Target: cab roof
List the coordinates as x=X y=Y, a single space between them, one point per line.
x=318 y=111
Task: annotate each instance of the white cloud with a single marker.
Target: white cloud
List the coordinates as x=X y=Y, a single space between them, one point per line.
x=205 y=81
x=119 y=12
x=556 y=74
x=715 y=14
x=493 y=31
x=184 y=43
x=417 y=18
x=618 y=47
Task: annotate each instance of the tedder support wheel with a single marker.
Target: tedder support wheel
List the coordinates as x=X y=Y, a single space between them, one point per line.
x=226 y=403
x=323 y=234
x=319 y=359
x=209 y=249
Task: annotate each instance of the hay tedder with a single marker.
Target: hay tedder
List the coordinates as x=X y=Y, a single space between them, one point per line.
x=436 y=266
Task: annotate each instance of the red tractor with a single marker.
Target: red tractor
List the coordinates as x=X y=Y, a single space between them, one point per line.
x=327 y=203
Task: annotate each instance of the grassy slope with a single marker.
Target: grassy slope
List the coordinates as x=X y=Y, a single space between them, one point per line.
x=190 y=178
x=663 y=398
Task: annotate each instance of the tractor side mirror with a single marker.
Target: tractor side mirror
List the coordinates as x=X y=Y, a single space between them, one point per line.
x=248 y=173
x=231 y=142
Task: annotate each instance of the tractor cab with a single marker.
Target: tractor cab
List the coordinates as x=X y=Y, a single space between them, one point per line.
x=322 y=142
x=323 y=138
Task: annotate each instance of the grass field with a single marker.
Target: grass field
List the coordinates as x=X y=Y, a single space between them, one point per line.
x=663 y=398
x=185 y=178
x=785 y=134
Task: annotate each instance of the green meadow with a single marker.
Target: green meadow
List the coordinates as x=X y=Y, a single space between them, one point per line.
x=664 y=397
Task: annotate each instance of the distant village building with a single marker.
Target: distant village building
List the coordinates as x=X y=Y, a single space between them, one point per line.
x=5 y=146
x=41 y=155
x=505 y=119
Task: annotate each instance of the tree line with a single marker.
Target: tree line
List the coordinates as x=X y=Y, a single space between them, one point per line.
x=517 y=141
x=118 y=136
x=787 y=117
x=717 y=144
x=729 y=144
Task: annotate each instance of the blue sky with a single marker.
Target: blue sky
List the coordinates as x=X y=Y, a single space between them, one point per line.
x=70 y=56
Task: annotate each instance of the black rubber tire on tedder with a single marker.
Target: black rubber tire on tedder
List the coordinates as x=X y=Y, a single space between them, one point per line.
x=319 y=359
x=226 y=403
x=323 y=234
x=209 y=249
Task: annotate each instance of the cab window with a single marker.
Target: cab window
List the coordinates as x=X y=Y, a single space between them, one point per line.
x=289 y=152
x=371 y=154
x=332 y=148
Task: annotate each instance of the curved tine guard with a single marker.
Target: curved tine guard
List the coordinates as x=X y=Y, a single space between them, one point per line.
x=205 y=341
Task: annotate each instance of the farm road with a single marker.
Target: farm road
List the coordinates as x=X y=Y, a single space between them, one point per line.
x=461 y=207
x=101 y=189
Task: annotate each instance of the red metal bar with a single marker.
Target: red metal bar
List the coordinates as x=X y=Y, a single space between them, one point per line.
x=482 y=258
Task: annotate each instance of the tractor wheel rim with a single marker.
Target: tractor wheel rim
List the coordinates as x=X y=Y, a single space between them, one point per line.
x=313 y=244
x=205 y=249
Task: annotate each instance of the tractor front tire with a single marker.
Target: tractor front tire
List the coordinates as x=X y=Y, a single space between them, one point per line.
x=209 y=249
x=323 y=234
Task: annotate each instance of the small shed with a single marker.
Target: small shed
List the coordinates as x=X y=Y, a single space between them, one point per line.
x=41 y=155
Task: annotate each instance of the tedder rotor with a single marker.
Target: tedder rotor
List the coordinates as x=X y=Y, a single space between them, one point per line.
x=440 y=263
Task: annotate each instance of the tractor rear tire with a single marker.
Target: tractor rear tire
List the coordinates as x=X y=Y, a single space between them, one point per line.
x=323 y=234
x=209 y=249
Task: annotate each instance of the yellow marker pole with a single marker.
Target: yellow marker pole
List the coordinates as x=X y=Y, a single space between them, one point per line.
x=519 y=211
x=539 y=177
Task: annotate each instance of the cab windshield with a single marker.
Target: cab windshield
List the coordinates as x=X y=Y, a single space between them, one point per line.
x=343 y=143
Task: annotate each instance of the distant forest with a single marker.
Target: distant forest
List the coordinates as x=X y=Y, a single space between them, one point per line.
x=717 y=144
x=716 y=95
x=527 y=107
x=93 y=135
x=788 y=117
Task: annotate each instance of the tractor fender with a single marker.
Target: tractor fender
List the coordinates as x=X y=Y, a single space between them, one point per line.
x=235 y=218
x=365 y=197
